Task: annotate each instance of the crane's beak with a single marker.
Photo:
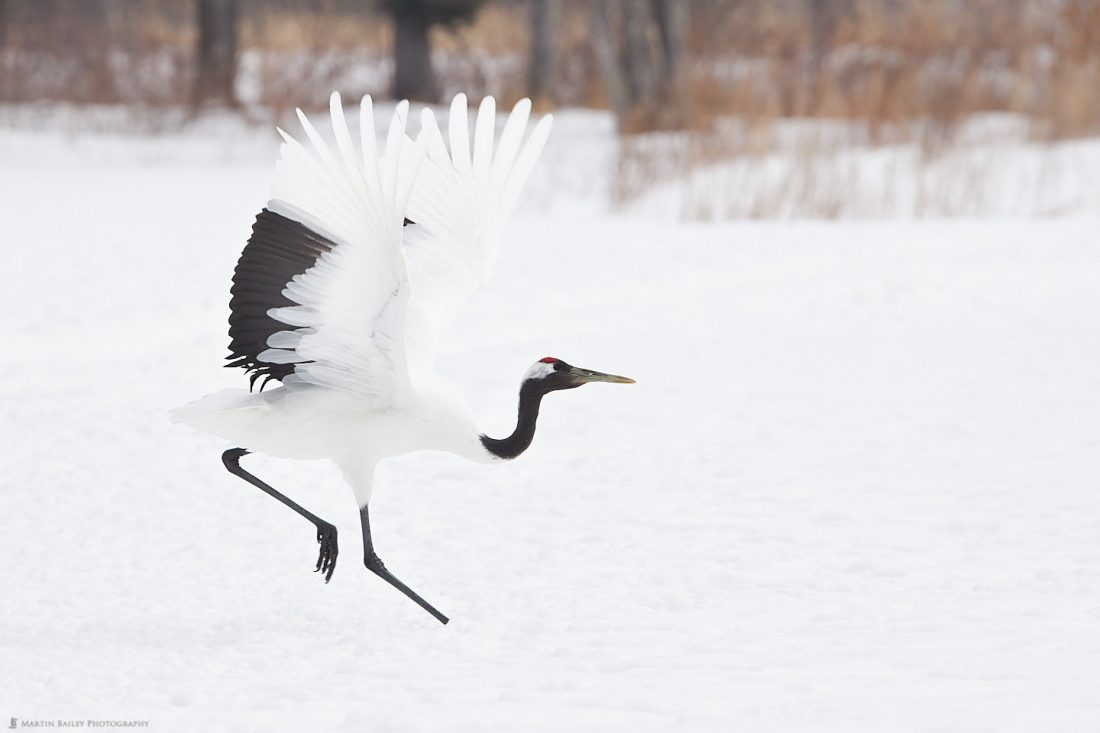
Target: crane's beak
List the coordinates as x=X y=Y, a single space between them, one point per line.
x=583 y=376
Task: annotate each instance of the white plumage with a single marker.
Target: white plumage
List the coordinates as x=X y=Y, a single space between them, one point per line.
x=360 y=262
x=371 y=313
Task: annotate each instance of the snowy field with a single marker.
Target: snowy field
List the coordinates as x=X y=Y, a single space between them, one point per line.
x=854 y=489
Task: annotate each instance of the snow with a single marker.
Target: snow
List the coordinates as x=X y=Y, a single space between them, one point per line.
x=854 y=488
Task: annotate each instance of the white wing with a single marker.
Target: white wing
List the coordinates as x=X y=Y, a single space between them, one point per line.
x=345 y=326
x=459 y=205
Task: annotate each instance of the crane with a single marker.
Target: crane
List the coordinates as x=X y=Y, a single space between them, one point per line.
x=353 y=273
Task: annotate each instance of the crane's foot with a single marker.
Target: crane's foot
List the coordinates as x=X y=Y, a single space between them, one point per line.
x=326 y=559
x=376 y=566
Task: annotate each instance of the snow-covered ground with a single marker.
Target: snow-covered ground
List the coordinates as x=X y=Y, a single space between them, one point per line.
x=854 y=489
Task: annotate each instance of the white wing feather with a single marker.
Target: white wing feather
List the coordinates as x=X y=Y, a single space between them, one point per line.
x=371 y=312
x=459 y=205
x=351 y=305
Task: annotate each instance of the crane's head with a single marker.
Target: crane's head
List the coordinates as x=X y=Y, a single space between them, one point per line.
x=551 y=374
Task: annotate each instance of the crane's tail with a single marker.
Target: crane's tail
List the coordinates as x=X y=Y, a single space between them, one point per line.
x=228 y=414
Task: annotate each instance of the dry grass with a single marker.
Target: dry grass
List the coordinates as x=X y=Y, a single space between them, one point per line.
x=827 y=170
x=95 y=51
x=884 y=63
x=292 y=52
x=892 y=76
x=880 y=62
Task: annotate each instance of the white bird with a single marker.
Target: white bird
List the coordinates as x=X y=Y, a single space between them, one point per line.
x=355 y=269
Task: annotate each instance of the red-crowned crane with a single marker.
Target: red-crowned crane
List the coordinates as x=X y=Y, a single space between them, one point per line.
x=354 y=270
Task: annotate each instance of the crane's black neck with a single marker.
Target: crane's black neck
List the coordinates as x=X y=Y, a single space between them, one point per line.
x=530 y=397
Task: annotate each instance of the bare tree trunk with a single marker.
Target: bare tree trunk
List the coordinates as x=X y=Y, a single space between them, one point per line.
x=638 y=53
x=542 y=63
x=413 y=76
x=217 y=52
x=824 y=17
x=606 y=50
x=672 y=17
x=4 y=92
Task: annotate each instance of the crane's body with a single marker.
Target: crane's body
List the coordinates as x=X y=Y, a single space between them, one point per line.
x=353 y=437
x=355 y=269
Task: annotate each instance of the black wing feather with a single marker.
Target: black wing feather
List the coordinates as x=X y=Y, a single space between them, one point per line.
x=278 y=250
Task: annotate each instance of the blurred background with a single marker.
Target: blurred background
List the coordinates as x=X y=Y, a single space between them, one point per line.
x=746 y=108
x=849 y=249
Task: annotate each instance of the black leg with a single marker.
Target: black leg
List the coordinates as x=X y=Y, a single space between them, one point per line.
x=374 y=564
x=326 y=533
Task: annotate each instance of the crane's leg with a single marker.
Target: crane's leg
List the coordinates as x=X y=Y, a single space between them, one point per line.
x=374 y=564
x=326 y=533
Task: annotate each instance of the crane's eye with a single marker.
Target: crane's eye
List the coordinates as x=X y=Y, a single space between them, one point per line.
x=560 y=366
